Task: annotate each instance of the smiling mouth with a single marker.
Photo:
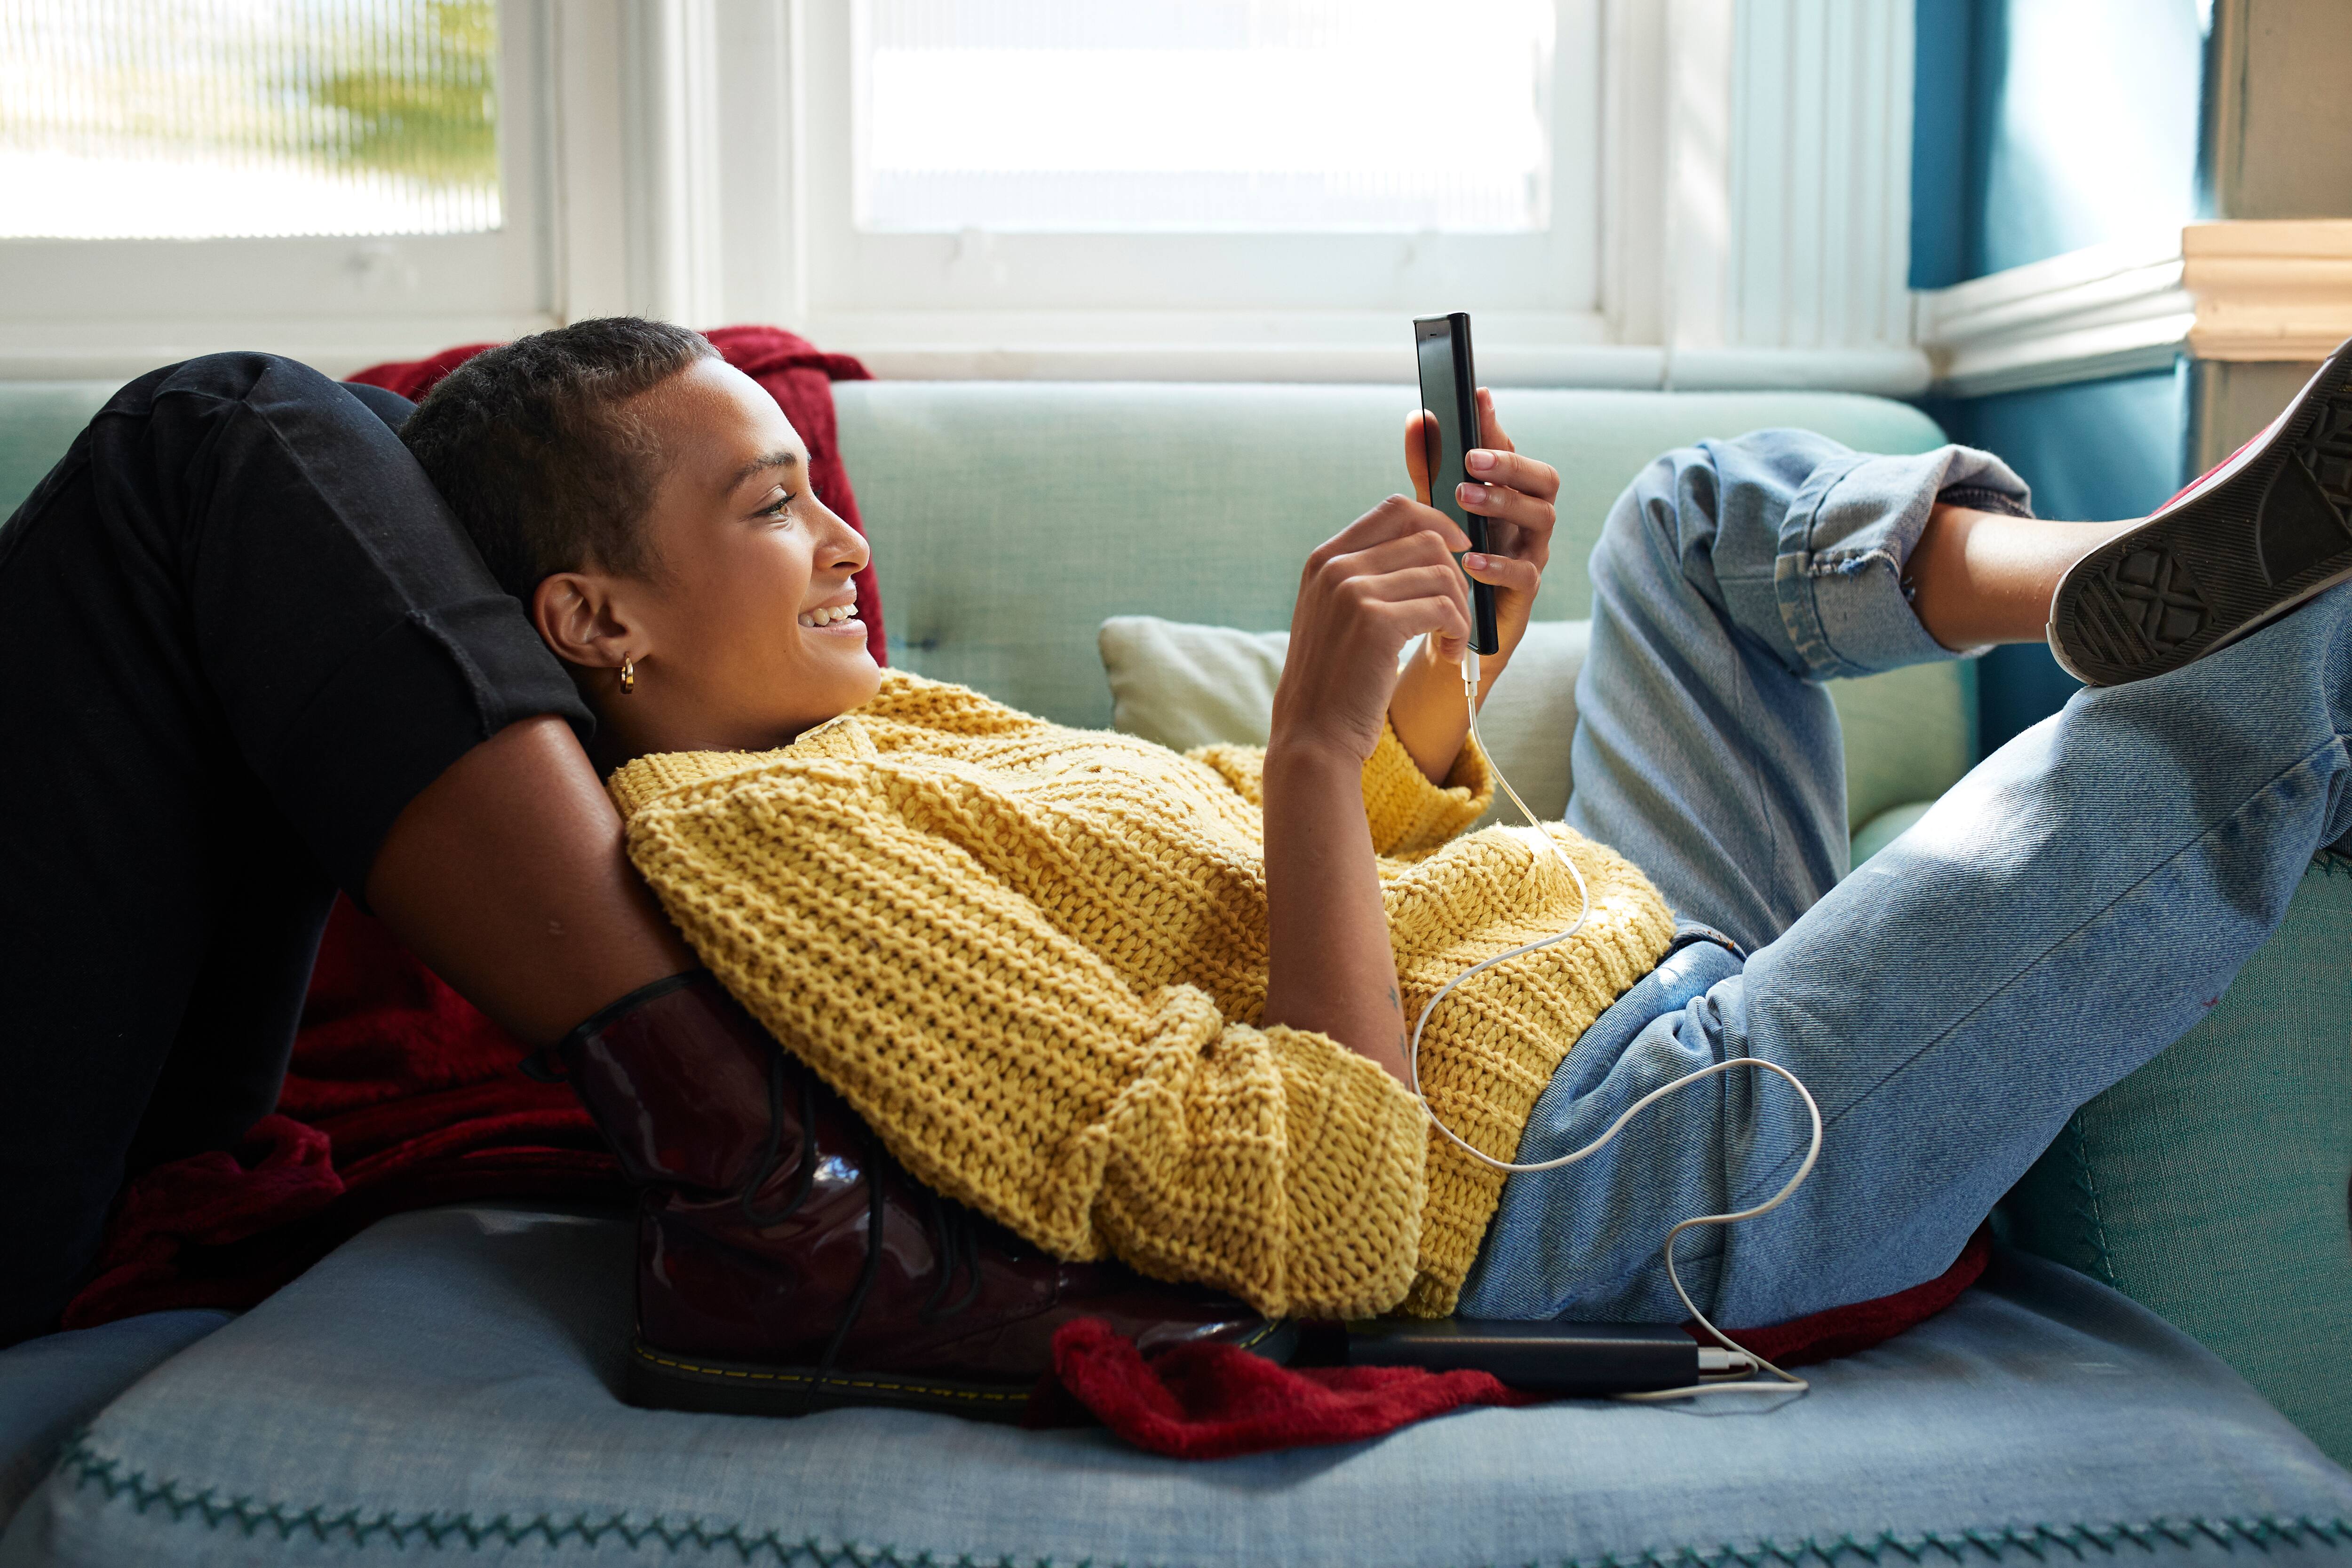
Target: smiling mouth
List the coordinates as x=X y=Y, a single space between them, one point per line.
x=829 y=615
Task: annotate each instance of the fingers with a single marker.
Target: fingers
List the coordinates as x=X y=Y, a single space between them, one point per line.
x=1490 y=429
x=1437 y=615
x=1397 y=518
x=1501 y=465
x=1513 y=506
x=1505 y=571
x=1398 y=584
x=1417 y=452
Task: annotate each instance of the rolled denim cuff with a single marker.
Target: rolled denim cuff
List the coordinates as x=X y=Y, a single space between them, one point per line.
x=1844 y=541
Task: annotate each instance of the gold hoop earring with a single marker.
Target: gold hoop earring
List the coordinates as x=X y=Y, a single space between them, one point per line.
x=628 y=677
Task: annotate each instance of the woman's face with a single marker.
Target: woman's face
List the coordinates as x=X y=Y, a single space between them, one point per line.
x=744 y=631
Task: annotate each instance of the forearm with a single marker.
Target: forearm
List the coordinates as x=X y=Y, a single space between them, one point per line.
x=1428 y=713
x=507 y=877
x=1329 y=966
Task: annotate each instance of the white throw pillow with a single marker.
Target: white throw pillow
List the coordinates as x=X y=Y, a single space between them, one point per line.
x=1185 y=685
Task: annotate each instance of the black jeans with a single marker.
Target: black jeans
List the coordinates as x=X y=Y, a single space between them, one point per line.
x=240 y=632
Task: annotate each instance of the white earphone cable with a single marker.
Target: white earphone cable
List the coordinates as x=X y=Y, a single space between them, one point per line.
x=1584 y=910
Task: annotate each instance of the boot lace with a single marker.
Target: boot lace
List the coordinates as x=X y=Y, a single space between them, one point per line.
x=955 y=1239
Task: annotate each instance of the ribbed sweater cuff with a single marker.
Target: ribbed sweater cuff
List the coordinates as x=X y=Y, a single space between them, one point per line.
x=1407 y=812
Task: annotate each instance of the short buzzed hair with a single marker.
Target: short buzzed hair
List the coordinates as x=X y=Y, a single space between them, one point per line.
x=530 y=445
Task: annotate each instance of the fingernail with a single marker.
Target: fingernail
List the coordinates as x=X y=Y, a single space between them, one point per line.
x=1479 y=462
x=1474 y=562
x=1473 y=495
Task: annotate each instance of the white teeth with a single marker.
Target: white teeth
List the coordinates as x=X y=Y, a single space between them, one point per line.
x=829 y=614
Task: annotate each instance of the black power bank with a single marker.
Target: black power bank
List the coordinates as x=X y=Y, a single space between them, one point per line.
x=1449 y=397
x=1588 y=1359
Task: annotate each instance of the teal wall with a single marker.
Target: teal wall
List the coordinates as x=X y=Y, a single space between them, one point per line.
x=2043 y=126
x=2039 y=127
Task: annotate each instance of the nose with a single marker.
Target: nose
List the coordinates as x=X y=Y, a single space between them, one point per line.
x=847 y=549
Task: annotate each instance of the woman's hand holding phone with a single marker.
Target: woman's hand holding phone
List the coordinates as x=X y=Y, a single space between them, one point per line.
x=1366 y=592
x=1516 y=493
x=1386 y=579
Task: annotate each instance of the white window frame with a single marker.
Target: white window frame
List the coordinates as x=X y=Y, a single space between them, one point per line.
x=1744 y=168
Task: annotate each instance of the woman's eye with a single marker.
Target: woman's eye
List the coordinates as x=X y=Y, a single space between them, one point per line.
x=776 y=509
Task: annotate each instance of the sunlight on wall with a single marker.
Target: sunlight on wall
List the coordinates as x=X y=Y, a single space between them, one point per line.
x=2096 y=132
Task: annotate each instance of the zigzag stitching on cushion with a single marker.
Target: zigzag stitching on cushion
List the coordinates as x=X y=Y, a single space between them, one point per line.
x=2089 y=1211
x=89 y=1468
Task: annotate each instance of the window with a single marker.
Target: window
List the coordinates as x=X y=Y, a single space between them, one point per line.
x=1627 y=193
x=1283 y=116
x=1214 y=177
x=179 y=120
x=342 y=180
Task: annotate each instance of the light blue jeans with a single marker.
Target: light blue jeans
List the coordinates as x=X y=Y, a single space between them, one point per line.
x=2065 y=912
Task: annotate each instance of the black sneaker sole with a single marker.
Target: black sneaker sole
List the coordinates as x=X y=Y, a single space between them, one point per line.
x=2208 y=571
x=658 y=1380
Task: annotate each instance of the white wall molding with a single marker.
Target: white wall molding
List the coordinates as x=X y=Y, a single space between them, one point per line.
x=1818 y=125
x=2107 y=311
x=2277 y=290
x=1756 y=193
x=590 y=226
x=670 y=146
x=2245 y=290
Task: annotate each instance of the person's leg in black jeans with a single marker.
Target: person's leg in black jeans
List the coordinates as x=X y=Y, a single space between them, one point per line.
x=251 y=659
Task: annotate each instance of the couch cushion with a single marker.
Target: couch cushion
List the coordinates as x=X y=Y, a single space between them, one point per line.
x=1909 y=734
x=38 y=420
x=1011 y=518
x=49 y=1386
x=441 y=1387
x=2212 y=1184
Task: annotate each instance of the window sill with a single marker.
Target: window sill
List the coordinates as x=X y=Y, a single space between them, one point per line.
x=1522 y=350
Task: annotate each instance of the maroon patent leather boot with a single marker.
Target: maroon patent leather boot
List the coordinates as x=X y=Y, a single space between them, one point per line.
x=786 y=1263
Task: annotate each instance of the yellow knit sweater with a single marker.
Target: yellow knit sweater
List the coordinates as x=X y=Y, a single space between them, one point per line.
x=1031 y=958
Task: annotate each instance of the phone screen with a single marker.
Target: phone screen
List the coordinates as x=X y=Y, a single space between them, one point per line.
x=1448 y=397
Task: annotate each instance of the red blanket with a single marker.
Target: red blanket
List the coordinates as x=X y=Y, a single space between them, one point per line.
x=1213 y=1402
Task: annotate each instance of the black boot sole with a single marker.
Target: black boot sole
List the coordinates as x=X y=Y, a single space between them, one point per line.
x=2224 y=562
x=658 y=1380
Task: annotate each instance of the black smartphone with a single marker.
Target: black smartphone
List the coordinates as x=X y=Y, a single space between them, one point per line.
x=1581 y=1359
x=1449 y=396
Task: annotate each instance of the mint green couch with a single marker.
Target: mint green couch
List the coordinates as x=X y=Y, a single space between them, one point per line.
x=1010 y=521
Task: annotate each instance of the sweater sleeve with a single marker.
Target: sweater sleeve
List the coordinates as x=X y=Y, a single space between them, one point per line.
x=871 y=920
x=1408 y=814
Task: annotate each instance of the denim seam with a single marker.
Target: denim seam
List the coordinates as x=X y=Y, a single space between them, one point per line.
x=1768 y=1179
x=253 y=1518
x=1794 y=574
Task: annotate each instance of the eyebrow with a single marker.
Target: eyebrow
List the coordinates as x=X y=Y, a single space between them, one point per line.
x=780 y=459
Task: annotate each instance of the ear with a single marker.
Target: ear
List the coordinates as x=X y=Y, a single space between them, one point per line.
x=582 y=619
